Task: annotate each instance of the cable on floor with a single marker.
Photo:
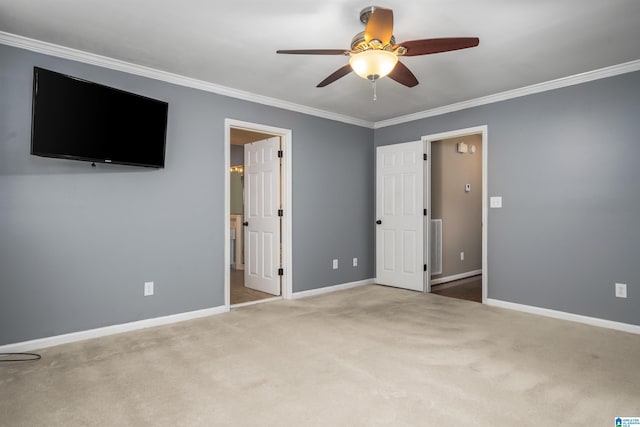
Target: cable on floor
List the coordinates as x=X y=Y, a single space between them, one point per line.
x=19 y=357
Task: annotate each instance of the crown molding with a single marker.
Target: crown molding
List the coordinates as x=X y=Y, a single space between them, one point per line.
x=127 y=67
x=588 y=76
x=139 y=70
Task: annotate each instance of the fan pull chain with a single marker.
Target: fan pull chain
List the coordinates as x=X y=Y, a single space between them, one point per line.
x=375 y=92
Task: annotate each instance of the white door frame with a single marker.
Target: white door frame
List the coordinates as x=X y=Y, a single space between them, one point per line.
x=285 y=137
x=483 y=131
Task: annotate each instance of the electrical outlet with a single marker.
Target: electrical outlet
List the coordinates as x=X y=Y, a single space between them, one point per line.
x=462 y=256
x=335 y=264
x=148 y=289
x=621 y=290
x=355 y=262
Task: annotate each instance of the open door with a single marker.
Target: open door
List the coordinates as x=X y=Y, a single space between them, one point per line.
x=401 y=216
x=261 y=221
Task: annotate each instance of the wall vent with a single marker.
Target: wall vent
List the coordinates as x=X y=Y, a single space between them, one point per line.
x=436 y=246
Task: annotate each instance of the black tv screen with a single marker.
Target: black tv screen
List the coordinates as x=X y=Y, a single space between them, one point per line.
x=80 y=120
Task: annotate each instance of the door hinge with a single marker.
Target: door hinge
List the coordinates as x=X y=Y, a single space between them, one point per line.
x=280 y=153
x=424 y=156
x=281 y=272
x=425 y=212
x=280 y=212
x=425 y=267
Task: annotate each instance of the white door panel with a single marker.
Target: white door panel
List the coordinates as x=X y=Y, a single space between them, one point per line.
x=262 y=223
x=400 y=234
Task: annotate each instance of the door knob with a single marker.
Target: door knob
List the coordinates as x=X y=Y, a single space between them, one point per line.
x=246 y=223
x=379 y=222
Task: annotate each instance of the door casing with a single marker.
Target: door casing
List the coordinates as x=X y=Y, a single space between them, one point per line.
x=286 y=230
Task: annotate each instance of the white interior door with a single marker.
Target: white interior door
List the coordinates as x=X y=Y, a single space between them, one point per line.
x=261 y=220
x=400 y=216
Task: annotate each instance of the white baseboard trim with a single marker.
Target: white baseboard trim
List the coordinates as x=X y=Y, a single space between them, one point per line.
x=334 y=288
x=456 y=277
x=593 y=321
x=108 y=330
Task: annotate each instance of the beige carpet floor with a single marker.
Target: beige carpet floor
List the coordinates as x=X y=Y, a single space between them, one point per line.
x=362 y=357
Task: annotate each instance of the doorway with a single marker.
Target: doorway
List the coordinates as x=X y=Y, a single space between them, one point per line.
x=257 y=168
x=458 y=205
x=456 y=216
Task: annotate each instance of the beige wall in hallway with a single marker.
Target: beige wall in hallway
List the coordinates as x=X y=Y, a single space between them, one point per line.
x=237 y=203
x=461 y=212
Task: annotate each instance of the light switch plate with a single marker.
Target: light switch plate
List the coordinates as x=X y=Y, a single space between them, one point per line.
x=495 y=202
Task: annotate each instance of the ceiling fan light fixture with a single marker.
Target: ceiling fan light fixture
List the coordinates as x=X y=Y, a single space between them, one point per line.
x=373 y=64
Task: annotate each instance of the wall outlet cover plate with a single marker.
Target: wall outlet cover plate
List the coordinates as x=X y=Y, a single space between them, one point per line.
x=148 y=289
x=621 y=290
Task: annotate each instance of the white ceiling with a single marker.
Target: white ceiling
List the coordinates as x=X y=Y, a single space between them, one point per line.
x=233 y=44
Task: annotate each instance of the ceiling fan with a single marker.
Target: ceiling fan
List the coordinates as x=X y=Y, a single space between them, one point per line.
x=374 y=52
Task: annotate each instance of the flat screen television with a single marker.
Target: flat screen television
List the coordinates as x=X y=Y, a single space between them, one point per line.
x=80 y=120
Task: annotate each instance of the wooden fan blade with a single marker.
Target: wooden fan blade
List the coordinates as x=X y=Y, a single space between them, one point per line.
x=379 y=26
x=428 y=46
x=314 y=52
x=339 y=73
x=403 y=75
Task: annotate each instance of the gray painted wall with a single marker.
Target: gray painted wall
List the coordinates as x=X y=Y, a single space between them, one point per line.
x=236 y=155
x=566 y=164
x=460 y=211
x=77 y=243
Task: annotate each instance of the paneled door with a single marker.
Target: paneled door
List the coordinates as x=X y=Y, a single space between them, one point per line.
x=401 y=216
x=261 y=220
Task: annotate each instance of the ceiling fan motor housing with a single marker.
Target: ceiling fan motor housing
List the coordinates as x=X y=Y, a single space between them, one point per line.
x=365 y=14
x=358 y=42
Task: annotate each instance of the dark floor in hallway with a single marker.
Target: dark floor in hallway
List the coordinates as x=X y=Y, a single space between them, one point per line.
x=469 y=289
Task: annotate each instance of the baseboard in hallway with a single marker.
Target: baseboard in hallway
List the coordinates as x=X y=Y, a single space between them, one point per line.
x=455 y=277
